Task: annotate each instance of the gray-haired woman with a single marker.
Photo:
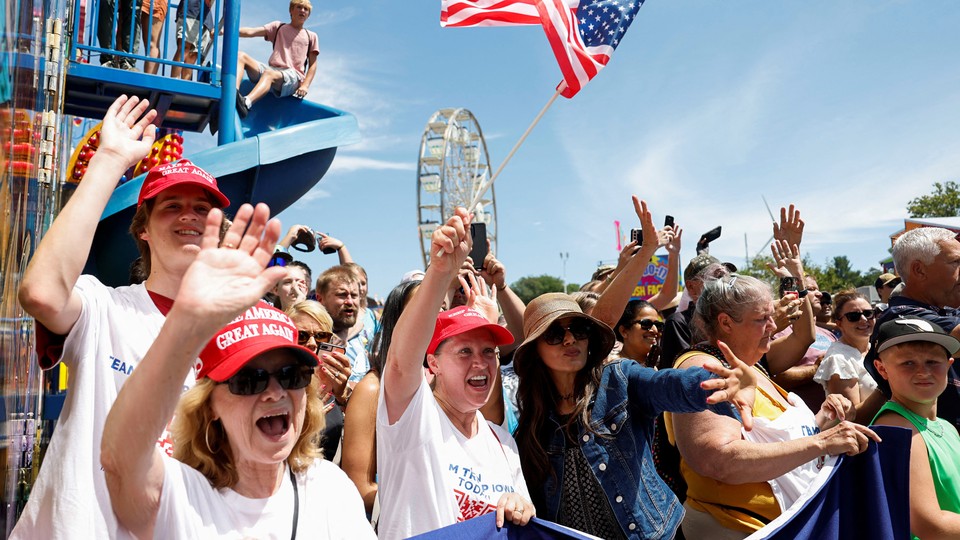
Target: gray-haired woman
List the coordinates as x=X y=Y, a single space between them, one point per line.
x=738 y=481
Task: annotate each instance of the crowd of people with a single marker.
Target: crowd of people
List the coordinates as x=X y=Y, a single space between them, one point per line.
x=228 y=392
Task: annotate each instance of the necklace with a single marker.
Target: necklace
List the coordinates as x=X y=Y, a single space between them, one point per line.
x=566 y=397
x=935 y=427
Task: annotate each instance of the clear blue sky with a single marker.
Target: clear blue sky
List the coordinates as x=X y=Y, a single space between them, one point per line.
x=848 y=109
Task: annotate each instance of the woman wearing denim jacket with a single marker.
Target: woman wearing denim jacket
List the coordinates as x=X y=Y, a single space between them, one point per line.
x=585 y=427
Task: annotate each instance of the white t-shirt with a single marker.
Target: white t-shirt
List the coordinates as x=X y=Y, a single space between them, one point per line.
x=431 y=475
x=329 y=507
x=847 y=362
x=114 y=331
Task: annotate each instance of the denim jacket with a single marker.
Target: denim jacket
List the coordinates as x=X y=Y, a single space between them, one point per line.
x=622 y=415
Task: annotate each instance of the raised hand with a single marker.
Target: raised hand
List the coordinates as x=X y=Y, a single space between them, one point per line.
x=222 y=282
x=673 y=246
x=451 y=242
x=493 y=272
x=787 y=257
x=328 y=242
x=650 y=236
x=127 y=134
x=790 y=228
x=480 y=297
x=738 y=384
x=786 y=310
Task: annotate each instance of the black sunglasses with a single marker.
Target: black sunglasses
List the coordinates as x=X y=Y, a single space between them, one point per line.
x=251 y=381
x=854 y=316
x=303 y=337
x=578 y=328
x=647 y=324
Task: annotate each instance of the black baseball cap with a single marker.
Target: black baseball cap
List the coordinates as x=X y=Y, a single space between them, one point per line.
x=905 y=330
x=909 y=329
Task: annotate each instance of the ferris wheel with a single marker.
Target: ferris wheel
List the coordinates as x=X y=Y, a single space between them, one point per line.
x=453 y=166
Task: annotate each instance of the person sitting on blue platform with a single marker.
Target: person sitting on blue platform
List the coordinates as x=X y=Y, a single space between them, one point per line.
x=292 y=64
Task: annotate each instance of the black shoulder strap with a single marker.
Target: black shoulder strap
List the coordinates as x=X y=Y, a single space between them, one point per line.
x=277 y=35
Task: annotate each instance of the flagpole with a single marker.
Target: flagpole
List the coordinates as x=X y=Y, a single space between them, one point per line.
x=486 y=185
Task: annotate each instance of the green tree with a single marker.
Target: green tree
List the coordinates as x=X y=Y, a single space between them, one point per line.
x=943 y=202
x=530 y=287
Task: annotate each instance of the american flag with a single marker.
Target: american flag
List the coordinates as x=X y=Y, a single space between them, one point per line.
x=488 y=12
x=582 y=33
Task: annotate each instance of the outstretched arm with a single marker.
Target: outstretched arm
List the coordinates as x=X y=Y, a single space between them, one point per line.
x=403 y=371
x=495 y=274
x=249 y=32
x=671 y=284
x=46 y=291
x=610 y=306
x=217 y=287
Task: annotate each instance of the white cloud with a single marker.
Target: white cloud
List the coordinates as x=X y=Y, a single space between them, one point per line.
x=349 y=163
x=314 y=194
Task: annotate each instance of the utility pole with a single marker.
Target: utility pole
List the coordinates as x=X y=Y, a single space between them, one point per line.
x=563 y=258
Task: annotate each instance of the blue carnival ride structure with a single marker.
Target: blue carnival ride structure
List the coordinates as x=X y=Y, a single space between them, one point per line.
x=275 y=155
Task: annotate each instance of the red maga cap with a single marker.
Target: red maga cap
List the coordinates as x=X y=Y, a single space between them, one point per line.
x=260 y=329
x=180 y=172
x=459 y=320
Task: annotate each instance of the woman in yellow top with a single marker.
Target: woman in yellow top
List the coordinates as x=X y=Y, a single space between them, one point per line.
x=738 y=481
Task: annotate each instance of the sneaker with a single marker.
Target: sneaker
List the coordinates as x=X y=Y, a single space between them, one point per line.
x=108 y=64
x=130 y=66
x=242 y=109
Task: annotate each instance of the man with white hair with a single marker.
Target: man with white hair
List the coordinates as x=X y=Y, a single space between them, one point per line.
x=928 y=261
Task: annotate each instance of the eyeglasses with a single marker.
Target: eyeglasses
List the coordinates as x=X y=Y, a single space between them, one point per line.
x=303 y=337
x=252 y=381
x=579 y=329
x=854 y=316
x=647 y=324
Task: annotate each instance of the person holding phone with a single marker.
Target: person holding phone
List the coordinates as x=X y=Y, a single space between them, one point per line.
x=439 y=461
x=314 y=330
x=670 y=237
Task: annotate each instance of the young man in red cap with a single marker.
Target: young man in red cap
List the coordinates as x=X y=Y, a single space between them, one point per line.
x=439 y=461
x=105 y=331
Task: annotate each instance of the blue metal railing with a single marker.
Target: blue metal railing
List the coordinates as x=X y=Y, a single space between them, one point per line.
x=216 y=58
x=88 y=46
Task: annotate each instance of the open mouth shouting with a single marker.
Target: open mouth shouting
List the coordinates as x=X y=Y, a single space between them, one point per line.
x=274 y=426
x=480 y=382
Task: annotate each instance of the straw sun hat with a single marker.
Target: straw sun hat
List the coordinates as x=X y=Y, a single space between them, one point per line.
x=543 y=310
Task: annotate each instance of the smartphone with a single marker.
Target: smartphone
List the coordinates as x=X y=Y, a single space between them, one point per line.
x=712 y=234
x=326 y=250
x=788 y=286
x=330 y=347
x=636 y=235
x=668 y=221
x=478 y=232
